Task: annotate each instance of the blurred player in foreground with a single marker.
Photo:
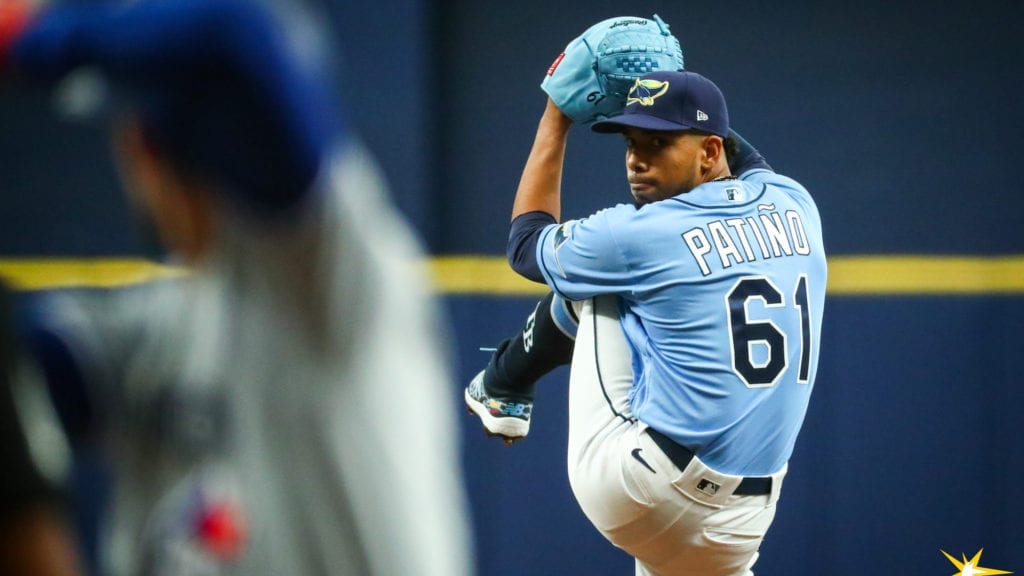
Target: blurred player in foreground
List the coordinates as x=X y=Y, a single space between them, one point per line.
x=262 y=412
x=696 y=313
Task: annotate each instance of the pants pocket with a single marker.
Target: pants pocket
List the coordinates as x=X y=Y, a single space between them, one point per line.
x=738 y=529
x=733 y=538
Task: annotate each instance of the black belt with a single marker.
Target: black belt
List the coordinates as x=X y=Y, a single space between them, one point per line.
x=681 y=456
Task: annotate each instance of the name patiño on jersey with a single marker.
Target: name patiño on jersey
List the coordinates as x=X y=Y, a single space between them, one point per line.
x=739 y=240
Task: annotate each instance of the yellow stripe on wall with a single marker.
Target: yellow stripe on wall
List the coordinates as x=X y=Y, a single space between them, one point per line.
x=481 y=275
x=491 y=276
x=47 y=273
x=879 y=275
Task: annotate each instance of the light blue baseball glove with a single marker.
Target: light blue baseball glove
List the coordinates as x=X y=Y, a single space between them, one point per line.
x=589 y=81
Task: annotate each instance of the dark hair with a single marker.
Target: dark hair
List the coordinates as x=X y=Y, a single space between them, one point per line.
x=732 y=147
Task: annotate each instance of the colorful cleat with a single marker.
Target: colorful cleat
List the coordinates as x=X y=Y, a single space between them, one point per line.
x=500 y=417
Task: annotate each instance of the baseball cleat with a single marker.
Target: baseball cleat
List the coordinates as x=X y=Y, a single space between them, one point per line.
x=500 y=416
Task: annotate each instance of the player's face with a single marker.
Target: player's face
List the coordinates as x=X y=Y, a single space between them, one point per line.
x=661 y=165
x=181 y=213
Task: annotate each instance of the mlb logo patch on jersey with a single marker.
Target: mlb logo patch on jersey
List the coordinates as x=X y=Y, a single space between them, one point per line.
x=735 y=194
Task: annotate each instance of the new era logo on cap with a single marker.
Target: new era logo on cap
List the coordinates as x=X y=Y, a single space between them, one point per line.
x=701 y=116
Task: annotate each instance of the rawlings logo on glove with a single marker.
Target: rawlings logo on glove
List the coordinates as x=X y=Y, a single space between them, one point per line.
x=591 y=79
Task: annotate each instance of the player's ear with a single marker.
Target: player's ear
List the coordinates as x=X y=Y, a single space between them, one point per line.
x=714 y=152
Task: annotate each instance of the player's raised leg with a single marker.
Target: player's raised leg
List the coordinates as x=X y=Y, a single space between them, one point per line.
x=630 y=489
x=601 y=423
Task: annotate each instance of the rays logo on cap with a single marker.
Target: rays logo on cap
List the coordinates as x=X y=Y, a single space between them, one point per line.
x=645 y=92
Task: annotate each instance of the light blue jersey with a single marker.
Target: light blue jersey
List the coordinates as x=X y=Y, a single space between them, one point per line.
x=722 y=292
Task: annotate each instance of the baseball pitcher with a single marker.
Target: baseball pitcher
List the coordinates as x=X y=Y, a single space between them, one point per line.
x=697 y=312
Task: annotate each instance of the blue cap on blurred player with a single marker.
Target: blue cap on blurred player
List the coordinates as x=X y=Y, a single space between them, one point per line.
x=670 y=101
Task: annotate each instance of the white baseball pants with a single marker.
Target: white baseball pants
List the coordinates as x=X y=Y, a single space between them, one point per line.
x=630 y=490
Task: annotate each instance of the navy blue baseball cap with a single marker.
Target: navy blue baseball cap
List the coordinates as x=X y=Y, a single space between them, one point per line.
x=671 y=101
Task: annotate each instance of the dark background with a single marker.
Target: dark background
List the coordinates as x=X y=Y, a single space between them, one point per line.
x=904 y=121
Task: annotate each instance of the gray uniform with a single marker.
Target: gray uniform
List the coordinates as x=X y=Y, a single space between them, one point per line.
x=280 y=410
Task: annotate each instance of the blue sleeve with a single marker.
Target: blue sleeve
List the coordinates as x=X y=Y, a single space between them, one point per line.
x=583 y=258
x=747 y=157
x=213 y=81
x=64 y=379
x=522 y=243
x=24 y=485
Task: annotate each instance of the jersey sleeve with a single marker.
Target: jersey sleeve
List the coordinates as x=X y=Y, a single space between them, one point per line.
x=522 y=243
x=24 y=485
x=86 y=341
x=583 y=258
